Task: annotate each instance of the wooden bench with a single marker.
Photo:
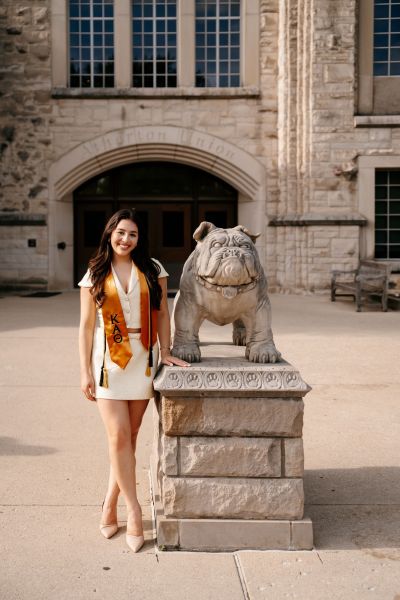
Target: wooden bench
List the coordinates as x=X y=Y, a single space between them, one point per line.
x=370 y=279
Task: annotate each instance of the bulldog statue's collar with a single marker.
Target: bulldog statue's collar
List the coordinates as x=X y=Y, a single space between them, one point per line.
x=228 y=291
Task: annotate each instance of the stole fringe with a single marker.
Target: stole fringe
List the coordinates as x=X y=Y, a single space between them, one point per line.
x=104 y=377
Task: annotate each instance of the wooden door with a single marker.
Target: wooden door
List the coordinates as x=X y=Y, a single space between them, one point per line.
x=221 y=214
x=90 y=218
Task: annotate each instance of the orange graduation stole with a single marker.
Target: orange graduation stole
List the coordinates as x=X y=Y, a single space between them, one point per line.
x=115 y=329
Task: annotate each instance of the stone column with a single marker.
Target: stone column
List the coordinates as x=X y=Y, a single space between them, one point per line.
x=227 y=471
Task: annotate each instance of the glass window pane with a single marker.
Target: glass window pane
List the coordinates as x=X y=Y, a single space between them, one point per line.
x=394 y=192
x=394 y=69
x=394 y=251
x=380 y=222
x=381 y=26
x=381 y=11
x=381 y=177
x=394 y=237
x=394 y=208
x=381 y=208
x=394 y=222
x=381 y=69
x=380 y=251
x=381 y=41
x=380 y=237
x=395 y=40
x=395 y=11
x=381 y=54
x=394 y=177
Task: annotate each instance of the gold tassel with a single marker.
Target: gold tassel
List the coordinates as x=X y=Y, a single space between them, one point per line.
x=105 y=378
x=148 y=371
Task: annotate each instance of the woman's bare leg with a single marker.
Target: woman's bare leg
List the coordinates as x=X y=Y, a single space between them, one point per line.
x=109 y=515
x=137 y=409
x=122 y=420
x=115 y=415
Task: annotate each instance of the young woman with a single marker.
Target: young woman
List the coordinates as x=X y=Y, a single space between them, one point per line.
x=127 y=290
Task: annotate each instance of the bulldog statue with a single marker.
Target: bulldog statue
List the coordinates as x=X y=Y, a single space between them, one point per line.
x=224 y=282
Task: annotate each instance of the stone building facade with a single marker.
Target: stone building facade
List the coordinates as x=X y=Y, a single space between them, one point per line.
x=299 y=139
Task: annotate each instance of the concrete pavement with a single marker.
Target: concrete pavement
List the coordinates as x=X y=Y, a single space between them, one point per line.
x=54 y=456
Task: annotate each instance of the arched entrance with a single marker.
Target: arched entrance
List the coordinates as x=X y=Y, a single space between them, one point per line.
x=171 y=199
x=134 y=145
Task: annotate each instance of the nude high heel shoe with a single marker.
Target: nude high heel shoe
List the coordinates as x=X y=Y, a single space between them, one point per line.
x=108 y=530
x=135 y=542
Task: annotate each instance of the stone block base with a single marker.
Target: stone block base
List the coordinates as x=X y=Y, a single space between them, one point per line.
x=229 y=458
x=224 y=535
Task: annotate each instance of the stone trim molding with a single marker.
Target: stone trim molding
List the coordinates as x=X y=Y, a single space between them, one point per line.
x=312 y=219
x=377 y=121
x=240 y=377
x=365 y=57
x=21 y=219
x=168 y=143
x=179 y=92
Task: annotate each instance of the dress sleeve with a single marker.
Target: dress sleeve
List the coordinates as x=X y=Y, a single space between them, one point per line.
x=163 y=272
x=85 y=281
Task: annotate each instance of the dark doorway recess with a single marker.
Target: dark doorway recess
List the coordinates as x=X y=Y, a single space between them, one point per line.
x=171 y=198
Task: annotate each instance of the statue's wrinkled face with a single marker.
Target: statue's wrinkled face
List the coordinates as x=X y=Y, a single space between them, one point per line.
x=227 y=257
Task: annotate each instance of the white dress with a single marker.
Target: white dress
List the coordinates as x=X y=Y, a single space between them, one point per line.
x=130 y=383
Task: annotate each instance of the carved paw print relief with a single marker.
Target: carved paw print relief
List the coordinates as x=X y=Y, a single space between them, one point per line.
x=253 y=381
x=214 y=380
x=273 y=380
x=174 y=380
x=292 y=380
x=233 y=380
x=193 y=380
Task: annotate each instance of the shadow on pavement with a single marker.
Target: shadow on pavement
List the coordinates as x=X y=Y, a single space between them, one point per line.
x=12 y=447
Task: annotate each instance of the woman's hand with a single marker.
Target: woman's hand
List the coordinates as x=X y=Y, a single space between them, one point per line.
x=169 y=360
x=87 y=386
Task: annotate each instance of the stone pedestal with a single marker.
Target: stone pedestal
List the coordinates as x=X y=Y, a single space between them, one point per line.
x=227 y=471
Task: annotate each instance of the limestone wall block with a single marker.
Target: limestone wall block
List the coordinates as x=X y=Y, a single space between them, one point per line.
x=344 y=247
x=293 y=458
x=338 y=72
x=235 y=498
x=230 y=457
x=226 y=416
x=168 y=452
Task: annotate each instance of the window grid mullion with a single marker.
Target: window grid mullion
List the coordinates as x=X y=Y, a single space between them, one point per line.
x=91 y=45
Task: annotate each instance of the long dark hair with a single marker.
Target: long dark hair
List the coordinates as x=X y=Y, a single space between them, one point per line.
x=100 y=263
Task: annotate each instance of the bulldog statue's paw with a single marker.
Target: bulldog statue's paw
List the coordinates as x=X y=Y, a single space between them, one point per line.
x=189 y=352
x=263 y=352
x=239 y=336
